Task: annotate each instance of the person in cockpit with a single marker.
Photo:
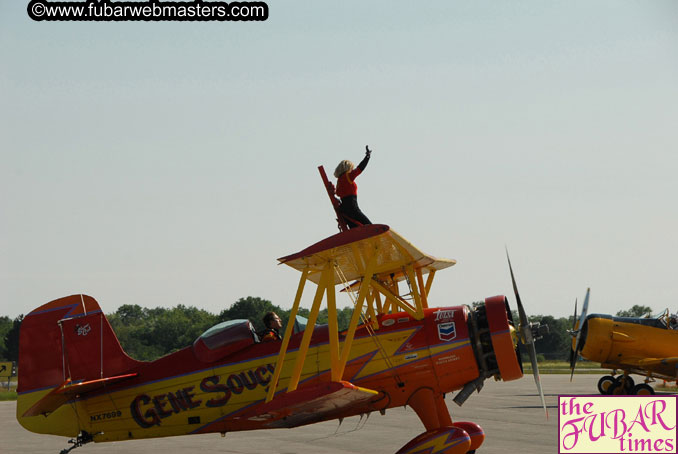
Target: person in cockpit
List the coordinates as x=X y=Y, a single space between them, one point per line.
x=273 y=326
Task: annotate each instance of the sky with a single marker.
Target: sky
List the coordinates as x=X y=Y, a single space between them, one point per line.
x=172 y=163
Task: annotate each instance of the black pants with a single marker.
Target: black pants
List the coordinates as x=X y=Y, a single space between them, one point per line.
x=351 y=211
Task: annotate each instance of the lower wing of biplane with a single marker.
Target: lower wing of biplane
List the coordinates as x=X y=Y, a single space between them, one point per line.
x=75 y=379
x=319 y=402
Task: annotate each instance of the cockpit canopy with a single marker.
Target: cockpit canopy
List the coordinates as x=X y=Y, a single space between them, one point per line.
x=231 y=336
x=224 y=339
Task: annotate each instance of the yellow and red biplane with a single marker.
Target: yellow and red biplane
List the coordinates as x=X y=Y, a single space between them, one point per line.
x=75 y=380
x=632 y=345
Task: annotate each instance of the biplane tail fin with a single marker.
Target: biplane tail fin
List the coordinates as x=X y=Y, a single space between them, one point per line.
x=68 y=338
x=67 y=348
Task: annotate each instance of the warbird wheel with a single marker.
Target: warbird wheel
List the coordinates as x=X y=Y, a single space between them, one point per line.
x=643 y=389
x=604 y=383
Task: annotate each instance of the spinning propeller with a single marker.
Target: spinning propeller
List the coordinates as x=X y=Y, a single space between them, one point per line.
x=579 y=325
x=529 y=332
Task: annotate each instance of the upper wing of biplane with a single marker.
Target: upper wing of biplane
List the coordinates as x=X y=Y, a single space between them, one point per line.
x=351 y=251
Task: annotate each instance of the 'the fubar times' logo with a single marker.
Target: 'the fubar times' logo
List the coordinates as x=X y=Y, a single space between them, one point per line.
x=617 y=424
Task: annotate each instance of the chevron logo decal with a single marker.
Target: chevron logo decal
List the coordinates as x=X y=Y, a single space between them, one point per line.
x=447 y=331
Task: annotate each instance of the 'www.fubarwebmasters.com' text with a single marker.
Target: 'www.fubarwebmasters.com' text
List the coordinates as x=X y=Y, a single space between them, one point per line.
x=152 y=10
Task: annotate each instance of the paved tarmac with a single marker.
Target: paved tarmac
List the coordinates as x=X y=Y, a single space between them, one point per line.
x=510 y=413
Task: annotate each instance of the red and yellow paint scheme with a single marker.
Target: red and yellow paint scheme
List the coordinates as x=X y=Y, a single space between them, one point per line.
x=634 y=345
x=75 y=380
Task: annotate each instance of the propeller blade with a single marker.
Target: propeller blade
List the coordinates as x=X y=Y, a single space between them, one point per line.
x=535 y=372
x=585 y=309
x=574 y=325
x=574 y=355
x=574 y=319
x=580 y=326
x=521 y=310
x=526 y=336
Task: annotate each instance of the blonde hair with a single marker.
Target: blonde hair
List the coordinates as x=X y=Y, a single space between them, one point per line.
x=343 y=167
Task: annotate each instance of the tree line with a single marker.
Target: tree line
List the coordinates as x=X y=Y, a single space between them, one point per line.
x=146 y=334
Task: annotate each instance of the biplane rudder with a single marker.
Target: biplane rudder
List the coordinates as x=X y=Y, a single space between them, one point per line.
x=65 y=340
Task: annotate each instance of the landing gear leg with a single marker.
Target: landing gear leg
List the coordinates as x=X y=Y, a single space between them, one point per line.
x=78 y=441
x=623 y=385
x=442 y=435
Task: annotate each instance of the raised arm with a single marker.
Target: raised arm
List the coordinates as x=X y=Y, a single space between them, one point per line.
x=366 y=159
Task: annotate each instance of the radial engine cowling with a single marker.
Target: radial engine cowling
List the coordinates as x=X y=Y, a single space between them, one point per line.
x=494 y=343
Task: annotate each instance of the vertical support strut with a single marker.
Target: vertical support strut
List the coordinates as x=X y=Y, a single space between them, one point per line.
x=371 y=315
x=377 y=300
x=333 y=329
x=422 y=289
x=325 y=279
x=364 y=288
x=429 y=281
x=415 y=291
x=286 y=339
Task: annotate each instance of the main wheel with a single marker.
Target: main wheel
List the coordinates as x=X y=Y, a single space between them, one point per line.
x=604 y=383
x=643 y=389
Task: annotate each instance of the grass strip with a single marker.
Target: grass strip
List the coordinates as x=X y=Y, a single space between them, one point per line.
x=7 y=395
